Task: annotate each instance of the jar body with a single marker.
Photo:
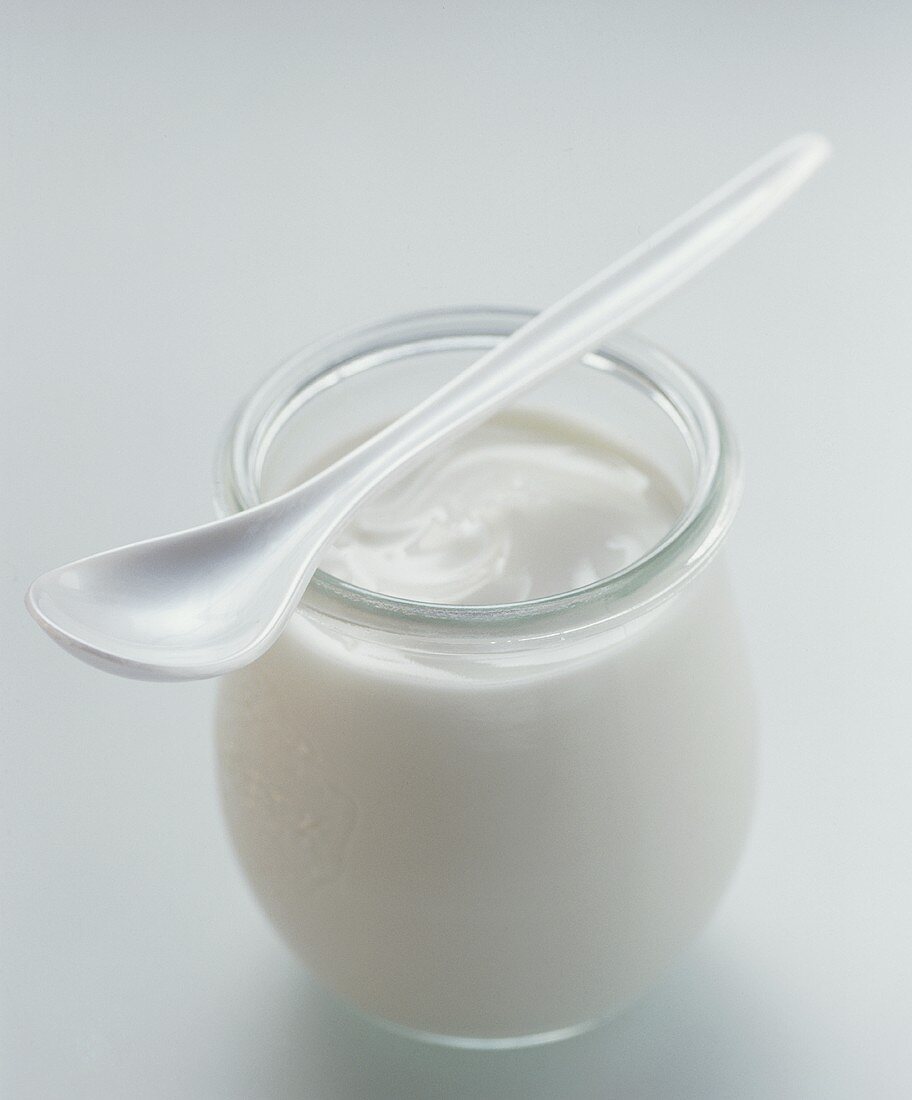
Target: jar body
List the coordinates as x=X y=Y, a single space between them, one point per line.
x=490 y=845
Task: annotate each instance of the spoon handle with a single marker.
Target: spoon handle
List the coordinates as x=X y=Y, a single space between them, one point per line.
x=575 y=324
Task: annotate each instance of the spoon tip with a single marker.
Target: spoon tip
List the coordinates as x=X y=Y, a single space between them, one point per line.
x=815 y=148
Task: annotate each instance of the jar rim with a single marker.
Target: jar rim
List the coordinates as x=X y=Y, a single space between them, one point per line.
x=686 y=548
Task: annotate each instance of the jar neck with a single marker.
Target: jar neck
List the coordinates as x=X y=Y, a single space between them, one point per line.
x=637 y=371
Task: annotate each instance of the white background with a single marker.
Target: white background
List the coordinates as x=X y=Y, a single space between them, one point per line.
x=192 y=191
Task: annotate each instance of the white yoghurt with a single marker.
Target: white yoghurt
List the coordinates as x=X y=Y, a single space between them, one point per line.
x=525 y=506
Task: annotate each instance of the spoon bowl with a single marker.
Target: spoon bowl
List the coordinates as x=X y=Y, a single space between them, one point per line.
x=184 y=606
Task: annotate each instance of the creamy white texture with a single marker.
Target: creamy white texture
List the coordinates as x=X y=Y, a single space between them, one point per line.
x=484 y=845
x=525 y=506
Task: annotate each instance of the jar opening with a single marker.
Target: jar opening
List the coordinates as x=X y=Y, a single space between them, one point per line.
x=379 y=371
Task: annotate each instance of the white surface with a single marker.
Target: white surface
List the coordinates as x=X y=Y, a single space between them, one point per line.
x=192 y=191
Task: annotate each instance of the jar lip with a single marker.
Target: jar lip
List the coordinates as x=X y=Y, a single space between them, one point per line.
x=687 y=546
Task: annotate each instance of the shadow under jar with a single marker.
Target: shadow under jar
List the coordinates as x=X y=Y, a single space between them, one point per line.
x=492 y=825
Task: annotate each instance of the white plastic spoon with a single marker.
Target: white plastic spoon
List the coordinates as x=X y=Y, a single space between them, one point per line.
x=202 y=602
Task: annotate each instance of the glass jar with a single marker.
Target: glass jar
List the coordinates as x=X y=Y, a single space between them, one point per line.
x=492 y=826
